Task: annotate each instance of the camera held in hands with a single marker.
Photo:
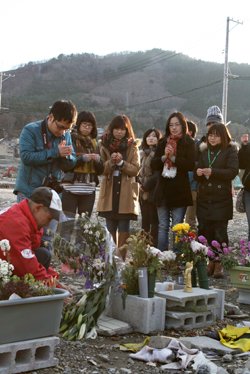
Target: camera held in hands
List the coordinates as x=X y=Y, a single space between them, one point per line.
x=53 y=183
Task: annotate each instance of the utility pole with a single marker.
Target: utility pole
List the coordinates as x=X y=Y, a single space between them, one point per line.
x=226 y=75
x=3 y=77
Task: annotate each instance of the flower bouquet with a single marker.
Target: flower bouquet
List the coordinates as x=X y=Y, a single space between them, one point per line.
x=188 y=248
x=86 y=251
x=145 y=262
x=191 y=250
x=84 y=246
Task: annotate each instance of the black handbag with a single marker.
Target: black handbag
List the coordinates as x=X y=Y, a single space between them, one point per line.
x=240 y=204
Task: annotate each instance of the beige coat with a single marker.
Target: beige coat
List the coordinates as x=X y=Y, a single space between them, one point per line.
x=128 y=202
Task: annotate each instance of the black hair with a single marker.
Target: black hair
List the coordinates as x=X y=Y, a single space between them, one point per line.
x=192 y=127
x=158 y=135
x=87 y=117
x=223 y=132
x=64 y=110
x=182 y=121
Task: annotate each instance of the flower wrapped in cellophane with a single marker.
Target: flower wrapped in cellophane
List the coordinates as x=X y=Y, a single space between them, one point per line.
x=84 y=247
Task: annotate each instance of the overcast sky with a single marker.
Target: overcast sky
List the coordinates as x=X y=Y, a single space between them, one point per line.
x=33 y=30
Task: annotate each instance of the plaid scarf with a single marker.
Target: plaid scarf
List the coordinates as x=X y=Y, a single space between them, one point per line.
x=116 y=145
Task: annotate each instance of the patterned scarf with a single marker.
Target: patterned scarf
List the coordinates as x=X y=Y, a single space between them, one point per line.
x=172 y=140
x=116 y=145
x=83 y=145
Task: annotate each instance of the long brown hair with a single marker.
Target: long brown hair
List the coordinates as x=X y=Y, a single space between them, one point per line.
x=121 y=122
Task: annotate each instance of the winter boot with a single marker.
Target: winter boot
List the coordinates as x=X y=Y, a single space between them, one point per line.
x=210 y=268
x=218 y=270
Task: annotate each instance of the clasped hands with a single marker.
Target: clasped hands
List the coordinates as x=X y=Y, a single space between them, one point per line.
x=169 y=151
x=64 y=150
x=116 y=158
x=205 y=171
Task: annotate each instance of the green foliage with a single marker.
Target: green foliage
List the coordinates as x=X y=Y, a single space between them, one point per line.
x=229 y=261
x=129 y=278
x=80 y=316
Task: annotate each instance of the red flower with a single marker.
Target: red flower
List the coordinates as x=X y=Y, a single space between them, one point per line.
x=192 y=234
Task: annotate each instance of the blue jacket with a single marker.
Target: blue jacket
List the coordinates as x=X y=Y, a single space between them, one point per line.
x=38 y=162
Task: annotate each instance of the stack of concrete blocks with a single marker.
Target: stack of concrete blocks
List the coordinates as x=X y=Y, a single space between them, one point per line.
x=28 y=355
x=196 y=309
x=145 y=315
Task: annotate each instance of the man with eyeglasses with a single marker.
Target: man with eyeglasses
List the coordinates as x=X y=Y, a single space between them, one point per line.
x=46 y=150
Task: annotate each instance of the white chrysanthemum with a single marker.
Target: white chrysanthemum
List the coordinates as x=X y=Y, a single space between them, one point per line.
x=5 y=245
x=198 y=247
x=5 y=270
x=168 y=256
x=154 y=251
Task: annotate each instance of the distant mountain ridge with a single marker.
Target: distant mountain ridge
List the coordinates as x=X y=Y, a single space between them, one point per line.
x=147 y=86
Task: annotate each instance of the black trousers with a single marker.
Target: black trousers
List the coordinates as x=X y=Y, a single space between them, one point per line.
x=43 y=256
x=72 y=203
x=214 y=230
x=149 y=219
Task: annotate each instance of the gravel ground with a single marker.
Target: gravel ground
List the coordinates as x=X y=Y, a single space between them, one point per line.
x=102 y=355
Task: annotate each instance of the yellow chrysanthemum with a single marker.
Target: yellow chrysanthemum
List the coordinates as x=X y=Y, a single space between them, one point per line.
x=179 y=227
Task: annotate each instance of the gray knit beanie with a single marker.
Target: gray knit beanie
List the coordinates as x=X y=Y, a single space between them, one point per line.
x=214 y=115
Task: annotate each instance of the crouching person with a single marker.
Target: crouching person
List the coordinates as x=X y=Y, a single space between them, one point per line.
x=22 y=224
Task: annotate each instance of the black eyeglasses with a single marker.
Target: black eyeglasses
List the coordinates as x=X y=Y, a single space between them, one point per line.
x=61 y=127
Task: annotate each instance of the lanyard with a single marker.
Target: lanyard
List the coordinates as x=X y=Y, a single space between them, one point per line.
x=210 y=163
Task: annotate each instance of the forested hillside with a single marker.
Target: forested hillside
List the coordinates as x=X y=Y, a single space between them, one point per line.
x=147 y=86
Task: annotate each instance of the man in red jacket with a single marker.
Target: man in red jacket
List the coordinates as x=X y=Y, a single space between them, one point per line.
x=22 y=225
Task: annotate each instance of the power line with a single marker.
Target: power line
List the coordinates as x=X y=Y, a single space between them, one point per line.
x=178 y=94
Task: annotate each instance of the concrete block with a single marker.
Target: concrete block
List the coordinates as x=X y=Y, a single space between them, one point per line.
x=219 y=310
x=244 y=296
x=108 y=326
x=28 y=355
x=143 y=314
x=189 y=320
x=205 y=344
x=199 y=300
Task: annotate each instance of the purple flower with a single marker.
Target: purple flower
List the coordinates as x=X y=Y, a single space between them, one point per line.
x=88 y=284
x=210 y=253
x=216 y=244
x=226 y=251
x=202 y=239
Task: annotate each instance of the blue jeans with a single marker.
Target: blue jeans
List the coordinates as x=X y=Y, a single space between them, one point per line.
x=247 y=206
x=168 y=216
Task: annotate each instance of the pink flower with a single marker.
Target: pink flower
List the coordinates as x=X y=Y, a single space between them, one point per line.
x=202 y=239
x=226 y=251
x=216 y=244
x=210 y=253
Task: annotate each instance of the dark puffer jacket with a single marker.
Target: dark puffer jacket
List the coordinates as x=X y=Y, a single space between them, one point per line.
x=175 y=192
x=244 y=163
x=214 y=199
